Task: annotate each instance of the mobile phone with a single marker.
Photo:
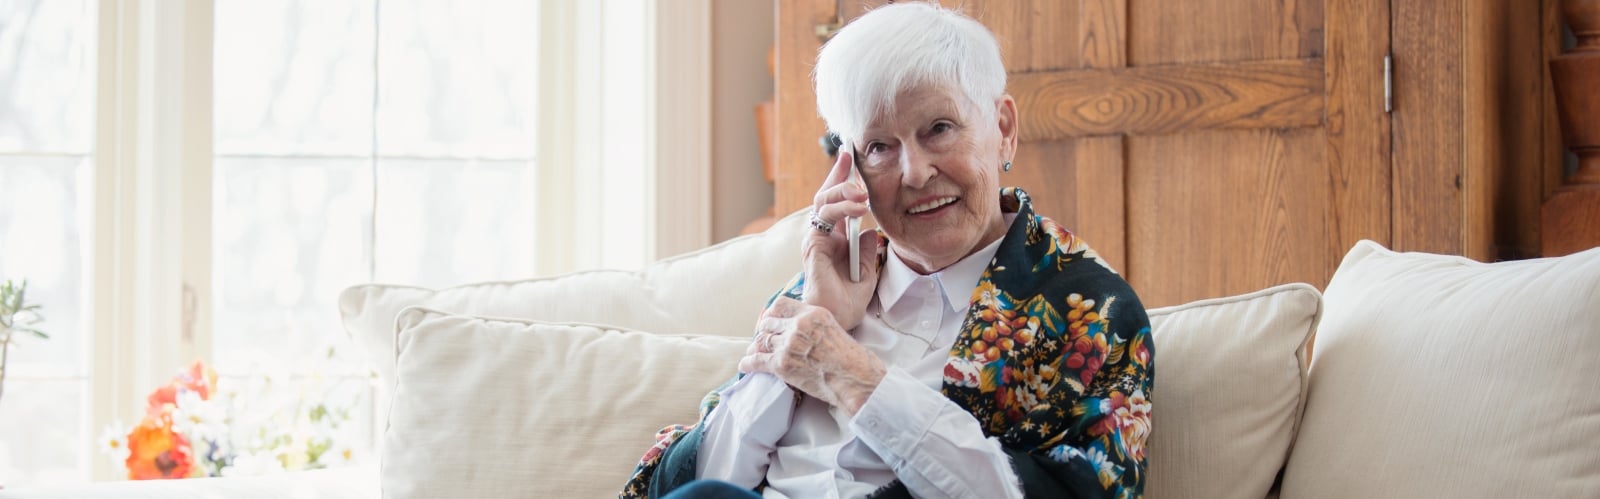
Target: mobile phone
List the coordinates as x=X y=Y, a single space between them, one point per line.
x=852 y=225
x=853 y=229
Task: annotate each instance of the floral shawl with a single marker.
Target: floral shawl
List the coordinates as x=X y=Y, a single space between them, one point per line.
x=1055 y=359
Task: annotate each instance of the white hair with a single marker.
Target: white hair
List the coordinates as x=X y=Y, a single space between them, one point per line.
x=899 y=47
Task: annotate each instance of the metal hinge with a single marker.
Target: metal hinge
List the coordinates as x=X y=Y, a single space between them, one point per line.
x=1388 y=83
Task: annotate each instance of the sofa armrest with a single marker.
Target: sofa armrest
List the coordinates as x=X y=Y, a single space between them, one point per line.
x=358 y=482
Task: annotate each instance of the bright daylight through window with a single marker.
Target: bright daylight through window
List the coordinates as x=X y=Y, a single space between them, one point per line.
x=353 y=141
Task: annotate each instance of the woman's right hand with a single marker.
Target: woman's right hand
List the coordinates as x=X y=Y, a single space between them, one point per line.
x=826 y=255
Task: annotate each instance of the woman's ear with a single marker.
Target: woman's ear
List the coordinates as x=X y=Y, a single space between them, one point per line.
x=1006 y=113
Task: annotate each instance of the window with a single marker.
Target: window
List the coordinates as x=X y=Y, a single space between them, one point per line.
x=47 y=88
x=184 y=180
x=319 y=186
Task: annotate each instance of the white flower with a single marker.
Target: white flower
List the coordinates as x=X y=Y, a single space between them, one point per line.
x=199 y=419
x=114 y=442
x=296 y=455
x=963 y=372
x=340 y=454
x=1103 y=466
x=253 y=464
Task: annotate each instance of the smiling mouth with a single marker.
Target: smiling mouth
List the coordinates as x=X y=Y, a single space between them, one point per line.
x=933 y=205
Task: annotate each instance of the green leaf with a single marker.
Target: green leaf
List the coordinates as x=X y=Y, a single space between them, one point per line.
x=37 y=332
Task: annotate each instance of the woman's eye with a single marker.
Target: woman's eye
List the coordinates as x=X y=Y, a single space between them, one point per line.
x=876 y=147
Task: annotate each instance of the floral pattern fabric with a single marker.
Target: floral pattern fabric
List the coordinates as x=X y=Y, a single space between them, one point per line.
x=1055 y=359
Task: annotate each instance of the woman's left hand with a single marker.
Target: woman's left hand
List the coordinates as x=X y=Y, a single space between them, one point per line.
x=805 y=347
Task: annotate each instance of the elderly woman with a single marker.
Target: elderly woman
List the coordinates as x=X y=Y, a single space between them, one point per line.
x=985 y=351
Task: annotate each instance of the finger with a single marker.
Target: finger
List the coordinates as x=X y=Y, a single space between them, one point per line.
x=756 y=363
x=835 y=213
x=774 y=325
x=847 y=191
x=841 y=170
x=759 y=344
x=782 y=307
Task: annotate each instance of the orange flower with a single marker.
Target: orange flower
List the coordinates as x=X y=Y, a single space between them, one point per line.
x=199 y=379
x=155 y=451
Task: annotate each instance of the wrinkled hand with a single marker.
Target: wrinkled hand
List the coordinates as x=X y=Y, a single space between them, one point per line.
x=826 y=256
x=804 y=346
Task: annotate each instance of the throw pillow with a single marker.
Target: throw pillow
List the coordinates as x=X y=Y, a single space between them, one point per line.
x=508 y=408
x=718 y=290
x=1230 y=385
x=1439 y=376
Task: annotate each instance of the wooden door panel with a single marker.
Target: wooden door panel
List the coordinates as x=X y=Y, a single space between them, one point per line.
x=1169 y=99
x=1429 y=185
x=1036 y=38
x=1078 y=183
x=1225 y=212
x=1038 y=169
x=1195 y=31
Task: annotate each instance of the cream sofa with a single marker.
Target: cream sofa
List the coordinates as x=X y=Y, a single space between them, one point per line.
x=1431 y=376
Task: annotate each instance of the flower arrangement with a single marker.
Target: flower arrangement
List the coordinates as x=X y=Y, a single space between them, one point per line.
x=196 y=426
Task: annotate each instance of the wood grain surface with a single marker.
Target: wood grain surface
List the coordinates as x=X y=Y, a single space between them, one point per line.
x=1235 y=212
x=1170 y=99
x=1101 y=202
x=1428 y=148
x=1358 y=128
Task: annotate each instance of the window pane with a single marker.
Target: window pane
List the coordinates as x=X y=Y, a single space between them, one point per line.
x=293 y=77
x=44 y=232
x=442 y=223
x=47 y=82
x=289 y=235
x=458 y=78
x=42 y=439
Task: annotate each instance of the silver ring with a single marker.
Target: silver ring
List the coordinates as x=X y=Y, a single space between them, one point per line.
x=819 y=224
x=766 y=342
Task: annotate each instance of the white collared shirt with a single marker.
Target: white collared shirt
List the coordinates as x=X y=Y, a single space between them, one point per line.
x=907 y=429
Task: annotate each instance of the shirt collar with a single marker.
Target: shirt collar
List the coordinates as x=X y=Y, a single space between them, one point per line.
x=955 y=282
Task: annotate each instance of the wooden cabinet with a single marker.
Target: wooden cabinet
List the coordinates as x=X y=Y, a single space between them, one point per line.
x=1214 y=147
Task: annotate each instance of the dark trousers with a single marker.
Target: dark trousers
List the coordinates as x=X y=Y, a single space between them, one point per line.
x=711 y=489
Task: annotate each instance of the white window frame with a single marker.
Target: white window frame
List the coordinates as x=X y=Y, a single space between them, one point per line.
x=677 y=116
x=152 y=224
x=151 y=256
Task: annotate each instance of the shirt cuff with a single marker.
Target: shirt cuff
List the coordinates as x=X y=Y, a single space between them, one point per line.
x=897 y=415
x=760 y=396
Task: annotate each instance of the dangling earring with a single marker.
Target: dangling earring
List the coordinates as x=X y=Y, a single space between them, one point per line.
x=1006 y=167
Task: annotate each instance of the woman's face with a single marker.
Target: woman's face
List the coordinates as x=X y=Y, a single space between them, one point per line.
x=932 y=172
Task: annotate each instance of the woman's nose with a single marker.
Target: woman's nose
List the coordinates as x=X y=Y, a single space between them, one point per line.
x=916 y=166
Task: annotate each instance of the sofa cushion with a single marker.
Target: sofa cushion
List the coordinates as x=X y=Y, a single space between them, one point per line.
x=510 y=408
x=718 y=290
x=1230 y=385
x=1438 y=376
